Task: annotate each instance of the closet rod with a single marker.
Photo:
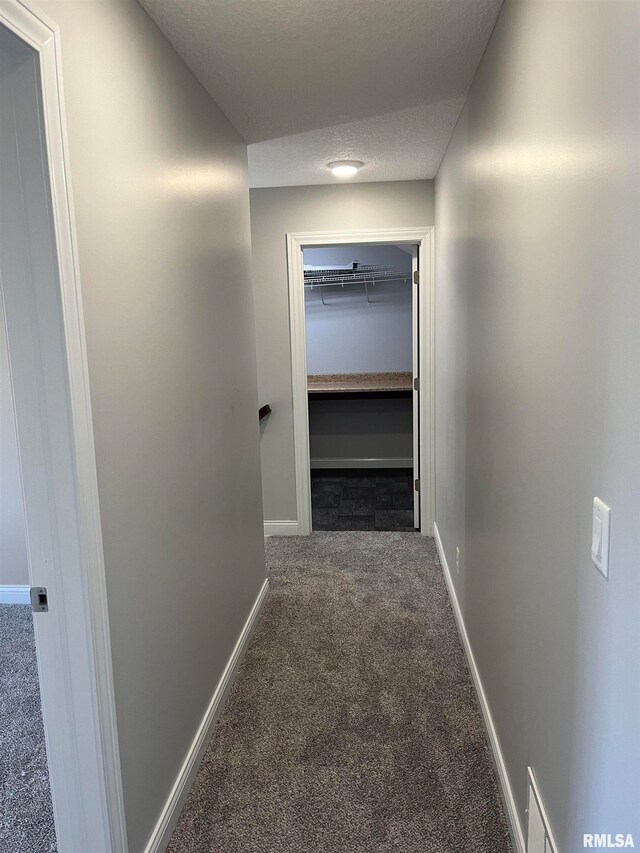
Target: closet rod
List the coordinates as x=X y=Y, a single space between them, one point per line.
x=365 y=279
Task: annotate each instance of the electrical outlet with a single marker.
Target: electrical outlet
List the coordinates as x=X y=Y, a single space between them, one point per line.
x=457 y=560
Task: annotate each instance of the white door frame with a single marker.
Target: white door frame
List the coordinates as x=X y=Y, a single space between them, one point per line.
x=296 y=242
x=47 y=356
x=416 y=400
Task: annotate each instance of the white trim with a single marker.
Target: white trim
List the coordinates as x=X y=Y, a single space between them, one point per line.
x=363 y=462
x=550 y=843
x=171 y=812
x=281 y=528
x=15 y=594
x=47 y=356
x=498 y=758
x=299 y=384
x=423 y=237
x=416 y=401
x=429 y=371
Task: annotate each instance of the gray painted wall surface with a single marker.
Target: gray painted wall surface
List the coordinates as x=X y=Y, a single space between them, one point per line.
x=538 y=346
x=274 y=213
x=348 y=334
x=161 y=199
x=13 y=545
x=361 y=427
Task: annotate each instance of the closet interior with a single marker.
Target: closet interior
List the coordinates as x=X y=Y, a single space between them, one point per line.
x=359 y=331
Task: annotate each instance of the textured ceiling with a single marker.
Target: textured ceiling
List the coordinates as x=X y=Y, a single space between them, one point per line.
x=402 y=146
x=315 y=80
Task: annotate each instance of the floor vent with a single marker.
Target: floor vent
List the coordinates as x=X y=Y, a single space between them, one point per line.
x=539 y=837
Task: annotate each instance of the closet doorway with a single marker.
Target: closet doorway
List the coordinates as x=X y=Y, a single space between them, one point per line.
x=361 y=338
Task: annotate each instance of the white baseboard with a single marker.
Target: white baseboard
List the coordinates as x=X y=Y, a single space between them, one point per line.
x=171 y=812
x=281 y=528
x=363 y=462
x=15 y=594
x=496 y=751
x=536 y=810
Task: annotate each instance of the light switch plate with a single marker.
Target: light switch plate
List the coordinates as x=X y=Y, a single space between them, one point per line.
x=600 y=532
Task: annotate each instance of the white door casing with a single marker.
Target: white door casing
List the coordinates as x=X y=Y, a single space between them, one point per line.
x=415 y=367
x=423 y=238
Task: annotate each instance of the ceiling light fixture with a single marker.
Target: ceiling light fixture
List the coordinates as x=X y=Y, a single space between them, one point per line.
x=345 y=168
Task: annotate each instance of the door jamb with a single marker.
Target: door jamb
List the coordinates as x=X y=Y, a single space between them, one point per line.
x=423 y=237
x=61 y=503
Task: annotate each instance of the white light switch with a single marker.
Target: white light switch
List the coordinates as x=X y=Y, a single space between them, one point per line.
x=600 y=536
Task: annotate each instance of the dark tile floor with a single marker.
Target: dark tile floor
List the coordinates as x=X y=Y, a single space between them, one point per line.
x=351 y=499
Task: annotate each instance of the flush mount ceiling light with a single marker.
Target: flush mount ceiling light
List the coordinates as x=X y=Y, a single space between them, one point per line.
x=345 y=168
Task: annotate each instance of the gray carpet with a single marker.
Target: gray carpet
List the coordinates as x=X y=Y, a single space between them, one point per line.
x=364 y=499
x=26 y=816
x=352 y=726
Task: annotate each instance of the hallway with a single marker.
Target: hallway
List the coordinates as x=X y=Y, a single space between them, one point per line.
x=352 y=724
x=289 y=288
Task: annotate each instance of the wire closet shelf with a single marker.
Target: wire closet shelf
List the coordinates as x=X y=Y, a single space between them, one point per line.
x=367 y=275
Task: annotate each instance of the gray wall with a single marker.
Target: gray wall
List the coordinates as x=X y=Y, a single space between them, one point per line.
x=274 y=213
x=361 y=427
x=538 y=346
x=13 y=545
x=161 y=199
x=348 y=334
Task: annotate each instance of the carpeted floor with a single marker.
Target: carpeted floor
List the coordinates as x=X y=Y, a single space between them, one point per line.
x=26 y=816
x=352 y=726
x=376 y=499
